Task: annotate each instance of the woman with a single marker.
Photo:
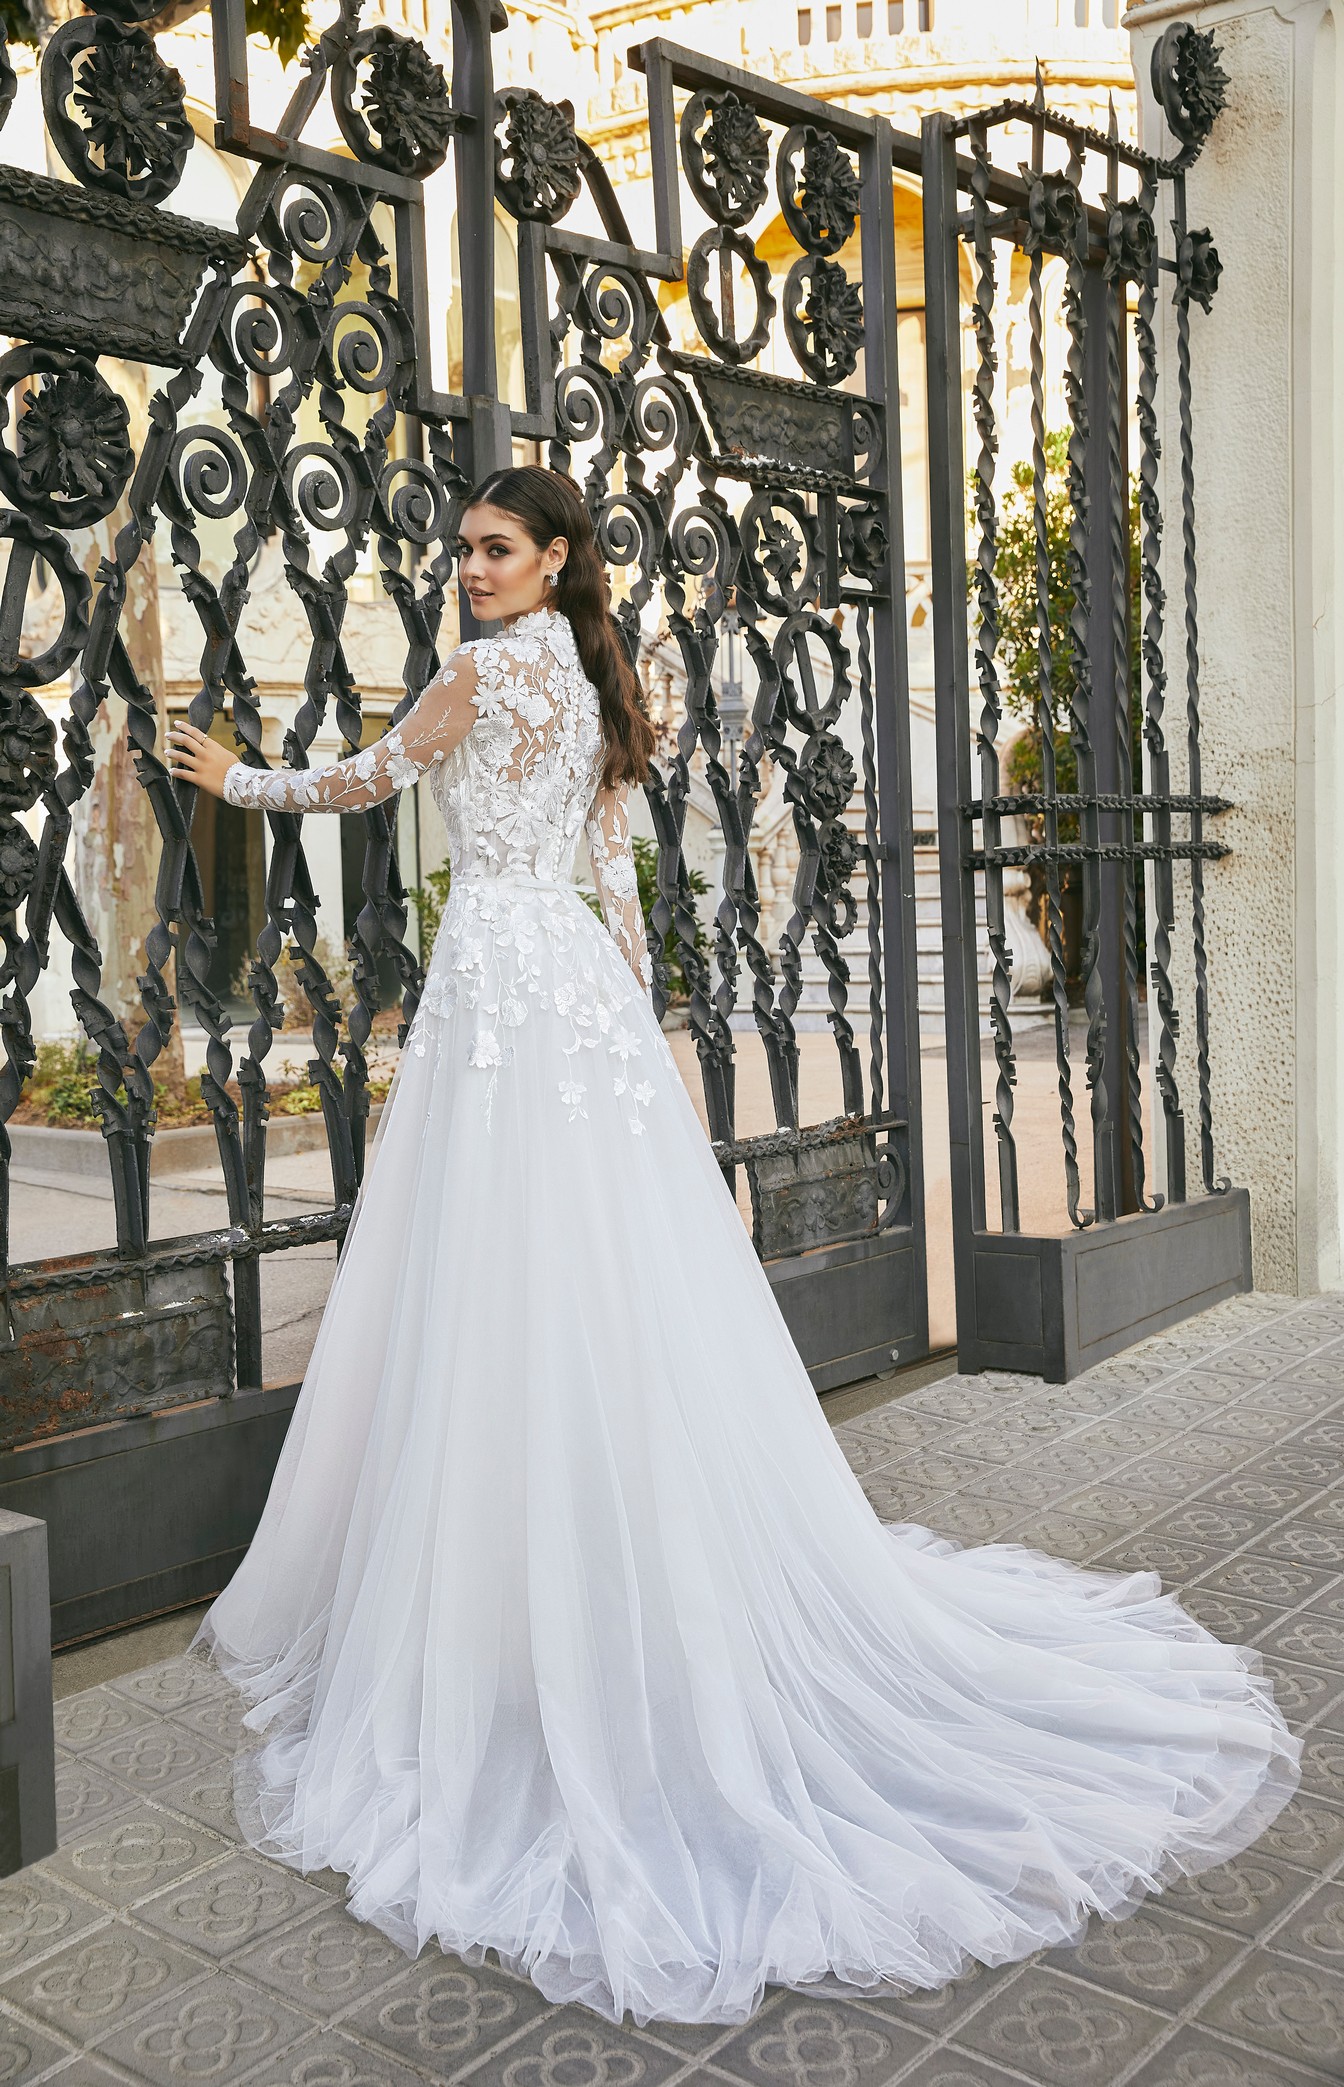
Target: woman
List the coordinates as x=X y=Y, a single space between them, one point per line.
x=567 y=1631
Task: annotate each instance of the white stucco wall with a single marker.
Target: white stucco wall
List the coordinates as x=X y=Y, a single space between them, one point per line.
x=1267 y=370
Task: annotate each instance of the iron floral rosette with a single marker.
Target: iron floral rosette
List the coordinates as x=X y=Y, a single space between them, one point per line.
x=1190 y=84
x=537 y=156
x=726 y=156
x=819 y=200
x=129 y=134
x=404 y=103
x=72 y=456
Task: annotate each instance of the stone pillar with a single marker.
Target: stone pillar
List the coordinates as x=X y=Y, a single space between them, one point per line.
x=1268 y=374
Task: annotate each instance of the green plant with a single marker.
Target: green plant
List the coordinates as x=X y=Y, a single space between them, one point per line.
x=1018 y=663
x=297 y=1007
x=429 y=900
x=1016 y=655
x=283 y=23
x=63 y=1079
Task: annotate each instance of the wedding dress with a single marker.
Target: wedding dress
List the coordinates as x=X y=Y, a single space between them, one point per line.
x=567 y=1631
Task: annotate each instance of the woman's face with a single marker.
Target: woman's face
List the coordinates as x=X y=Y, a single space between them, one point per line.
x=503 y=571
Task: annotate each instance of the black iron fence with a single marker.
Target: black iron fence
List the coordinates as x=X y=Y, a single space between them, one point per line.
x=742 y=463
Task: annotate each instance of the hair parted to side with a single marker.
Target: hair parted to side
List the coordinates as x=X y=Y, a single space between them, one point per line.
x=549 y=504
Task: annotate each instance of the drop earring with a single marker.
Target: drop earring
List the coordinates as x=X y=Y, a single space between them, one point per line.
x=552 y=579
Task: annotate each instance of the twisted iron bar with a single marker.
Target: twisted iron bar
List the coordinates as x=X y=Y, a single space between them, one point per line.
x=986 y=644
x=872 y=871
x=1080 y=705
x=1189 y=573
x=1163 y=911
x=1120 y=682
x=1045 y=722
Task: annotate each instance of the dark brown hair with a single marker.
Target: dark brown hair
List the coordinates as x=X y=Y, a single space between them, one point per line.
x=549 y=504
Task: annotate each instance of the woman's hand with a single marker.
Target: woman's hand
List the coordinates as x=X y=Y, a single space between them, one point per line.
x=195 y=758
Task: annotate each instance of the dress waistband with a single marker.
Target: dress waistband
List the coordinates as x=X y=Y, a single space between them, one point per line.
x=515 y=880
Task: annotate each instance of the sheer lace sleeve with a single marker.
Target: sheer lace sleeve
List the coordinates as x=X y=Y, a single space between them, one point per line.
x=439 y=718
x=608 y=830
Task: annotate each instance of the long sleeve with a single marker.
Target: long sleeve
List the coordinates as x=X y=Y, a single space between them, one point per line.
x=608 y=831
x=439 y=718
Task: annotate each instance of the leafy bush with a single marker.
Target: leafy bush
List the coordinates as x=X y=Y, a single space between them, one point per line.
x=62 y=1082
x=297 y=1007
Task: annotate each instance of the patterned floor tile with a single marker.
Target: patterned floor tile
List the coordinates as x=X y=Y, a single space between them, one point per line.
x=217 y=1717
x=26 y=2052
x=1302 y=1693
x=972 y=1521
x=1175 y=1558
x=329 y=2058
x=811 y=2042
x=1133 y=1507
x=217 y=2031
x=1066 y=1535
x=1235 y=1622
x=97 y=1715
x=135 y=1856
x=1309 y=1833
x=326 y=1963
x=1269 y=1580
x=443 y=2015
x=1203 y=1522
x=1311 y=1468
x=38 y=1915
x=867 y=1453
x=1292 y=2008
x=1323 y=1763
x=1157 y=1957
x=1245 y=1894
x=937 y=2012
x=1315 y=1641
x=1315 y=1930
x=172 y=1686
x=206 y=1796
x=956 y=2069
x=101 y=1980
x=86 y=1796
x=1305 y=1541
x=1194 y=2058
x=149 y=1759
x=1061 y=2032
x=934 y=1471
x=227 y=1907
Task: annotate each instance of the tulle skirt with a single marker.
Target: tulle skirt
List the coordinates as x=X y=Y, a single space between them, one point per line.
x=568 y=1633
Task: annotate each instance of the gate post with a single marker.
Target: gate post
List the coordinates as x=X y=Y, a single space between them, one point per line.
x=952 y=696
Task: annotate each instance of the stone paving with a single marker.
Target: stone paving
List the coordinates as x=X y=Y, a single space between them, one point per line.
x=152 y=1948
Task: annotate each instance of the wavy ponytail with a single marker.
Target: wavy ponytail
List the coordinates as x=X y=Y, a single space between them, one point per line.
x=549 y=504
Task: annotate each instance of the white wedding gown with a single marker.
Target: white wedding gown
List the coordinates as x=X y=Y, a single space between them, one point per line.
x=567 y=1630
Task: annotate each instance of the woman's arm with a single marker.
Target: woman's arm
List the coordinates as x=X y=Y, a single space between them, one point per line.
x=608 y=830
x=436 y=722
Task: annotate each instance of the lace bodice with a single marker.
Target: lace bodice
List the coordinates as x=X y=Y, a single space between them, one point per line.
x=510 y=733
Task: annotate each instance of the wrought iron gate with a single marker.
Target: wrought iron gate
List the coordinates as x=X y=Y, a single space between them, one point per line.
x=744 y=476
x=1137 y=1256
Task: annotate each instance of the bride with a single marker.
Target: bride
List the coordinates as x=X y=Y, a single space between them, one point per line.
x=567 y=1632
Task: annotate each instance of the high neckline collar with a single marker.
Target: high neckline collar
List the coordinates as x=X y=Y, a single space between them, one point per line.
x=542 y=619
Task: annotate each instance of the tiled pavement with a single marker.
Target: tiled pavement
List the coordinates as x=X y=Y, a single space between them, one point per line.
x=152 y=1948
